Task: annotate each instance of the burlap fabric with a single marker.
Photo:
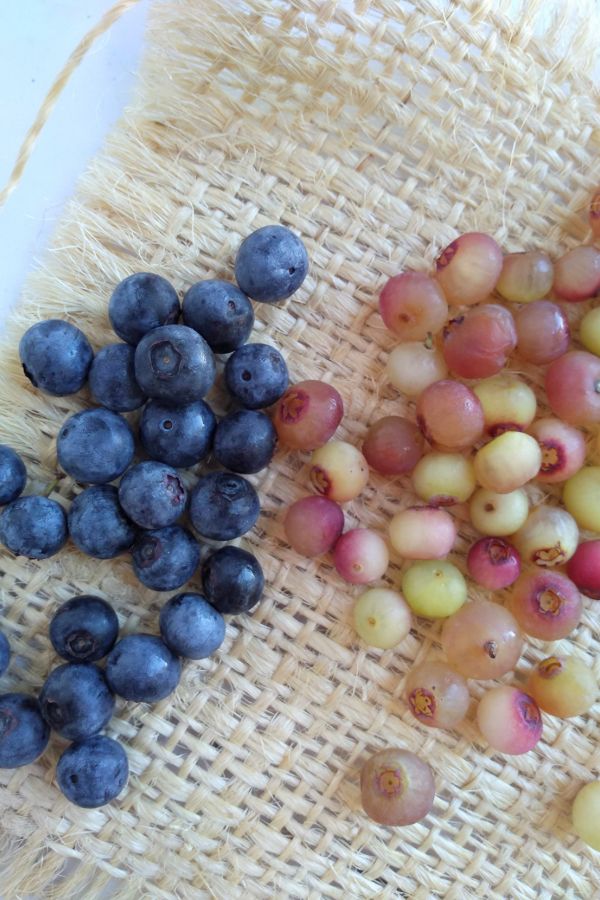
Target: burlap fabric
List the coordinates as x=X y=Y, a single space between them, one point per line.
x=377 y=131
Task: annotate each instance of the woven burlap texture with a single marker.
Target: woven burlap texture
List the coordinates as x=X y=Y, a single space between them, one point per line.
x=377 y=131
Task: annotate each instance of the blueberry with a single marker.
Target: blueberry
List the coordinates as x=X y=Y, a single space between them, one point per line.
x=232 y=580
x=92 y=772
x=95 y=446
x=220 y=313
x=13 y=474
x=141 y=667
x=140 y=303
x=256 y=375
x=23 y=732
x=97 y=524
x=191 y=627
x=4 y=653
x=112 y=379
x=33 y=526
x=271 y=264
x=166 y=558
x=223 y=506
x=56 y=357
x=245 y=441
x=84 y=629
x=179 y=436
x=76 y=700
x=152 y=494
x=174 y=364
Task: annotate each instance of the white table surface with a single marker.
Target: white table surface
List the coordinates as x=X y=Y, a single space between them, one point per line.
x=36 y=38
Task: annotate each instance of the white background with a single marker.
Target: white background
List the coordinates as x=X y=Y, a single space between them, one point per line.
x=36 y=39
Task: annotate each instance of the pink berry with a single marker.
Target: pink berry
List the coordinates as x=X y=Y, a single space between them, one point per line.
x=584 y=568
x=312 y=525
x=412 y=306
x=547 y=605
x=563 y=449
x=469 y=268
x=437 y=695
x=450 y=415
x=422 y=532
x=493 y=563
x=482 y=640
x=595 y=215
x=397 y=788
x=478 y=343
x=543 y=332
x=573 y=387
x=307 y=415
x=509 y=720
x=393 y=446
x=361 y=556
x=577 y=274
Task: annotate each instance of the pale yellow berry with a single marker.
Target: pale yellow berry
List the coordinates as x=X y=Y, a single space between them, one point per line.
x=498 y=514
x=508 y=462
x=382 y=618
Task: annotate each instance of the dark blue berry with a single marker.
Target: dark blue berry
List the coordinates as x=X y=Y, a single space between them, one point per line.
x=97 y=524
x=112 y=379
x=141 y=667
x=4 y=653
x=152 y=494
x=92 y=772
x=166 y=558
x=76 y=700
x=271 y=264
x=232 y=580
x=23 y=731
x=174 y=364
x=223 y=506
x=140 y=303
x=13 y=474
x=33 y=526
x=84 y=629
x=56 y=357
x=245 y=441
x=191 y=627
x=179 y=436
x=95 y=446
x=256 y=375
x=220 y=313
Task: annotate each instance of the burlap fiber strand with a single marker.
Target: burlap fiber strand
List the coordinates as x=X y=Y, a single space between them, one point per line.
x=377 y=131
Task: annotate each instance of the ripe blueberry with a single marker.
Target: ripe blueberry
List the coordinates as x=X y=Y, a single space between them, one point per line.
x=245 y=441
x=220 y=313
x=76 y=701
x=84 y=629
x=97 y=524
x=4 y=653
x=152 y=494
x=93 y=771
x=223 y=506
x=179 y=436
x=23 y=732
x=56 y=356
x=232 y=580
x=112 y=379
x=271 y=264
x=141 y=667
x=166 y=558
x=95 y=446
x=191 y=627
x=140 y=303
x=33 y=526
x=174 y=364
x=12 y=474
x=256 y=375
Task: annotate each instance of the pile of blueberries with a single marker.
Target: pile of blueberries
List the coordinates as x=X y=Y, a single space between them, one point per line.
x=167 y=368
